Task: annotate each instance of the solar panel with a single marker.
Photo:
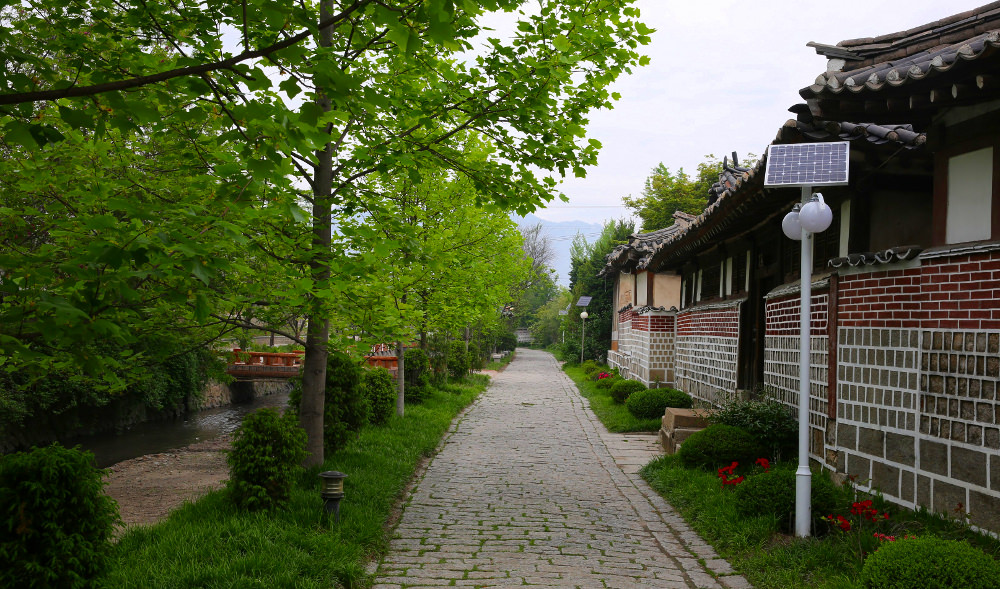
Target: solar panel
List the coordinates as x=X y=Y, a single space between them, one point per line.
x=807 y=164
x=583 y=302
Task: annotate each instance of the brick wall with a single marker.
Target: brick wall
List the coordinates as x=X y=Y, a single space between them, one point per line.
x=707 y=345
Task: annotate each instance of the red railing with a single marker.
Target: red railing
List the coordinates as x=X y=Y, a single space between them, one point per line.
x=245 y=364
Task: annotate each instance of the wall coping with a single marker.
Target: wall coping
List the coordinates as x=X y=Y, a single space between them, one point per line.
x=947 y=251
x=736 y=302
x=791 y=288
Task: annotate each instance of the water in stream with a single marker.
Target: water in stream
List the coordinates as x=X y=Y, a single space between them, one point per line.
x=160 y=436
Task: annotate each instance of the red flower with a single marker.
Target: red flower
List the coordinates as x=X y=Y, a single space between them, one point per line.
x=764 y=463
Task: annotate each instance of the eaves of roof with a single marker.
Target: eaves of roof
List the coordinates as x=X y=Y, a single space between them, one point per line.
x=898 y=72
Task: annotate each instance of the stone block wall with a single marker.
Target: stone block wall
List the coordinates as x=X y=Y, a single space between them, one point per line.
x=781 y=362
x=706 y=350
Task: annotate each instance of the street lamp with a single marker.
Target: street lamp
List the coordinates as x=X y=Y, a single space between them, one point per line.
x=812 y=216
x=583 y=333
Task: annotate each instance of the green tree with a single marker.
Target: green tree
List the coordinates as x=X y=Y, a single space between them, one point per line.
x=666 y=192
x=386 y=85
x=548 y=326
x=445 y=262
x=587 y=260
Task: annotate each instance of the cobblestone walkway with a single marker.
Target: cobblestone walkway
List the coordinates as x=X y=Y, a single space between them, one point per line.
x=525 y=491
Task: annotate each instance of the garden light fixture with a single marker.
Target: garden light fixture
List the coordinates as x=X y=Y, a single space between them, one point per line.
x=583 y=332
x=332 y=492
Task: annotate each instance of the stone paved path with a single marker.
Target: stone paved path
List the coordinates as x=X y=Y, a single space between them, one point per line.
x=526 y=491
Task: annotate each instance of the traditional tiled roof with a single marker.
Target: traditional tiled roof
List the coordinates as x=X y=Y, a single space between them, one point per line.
x=737 y=184
x=903 y=135
x=635 y=254
x=896 y=254
x=871 y=64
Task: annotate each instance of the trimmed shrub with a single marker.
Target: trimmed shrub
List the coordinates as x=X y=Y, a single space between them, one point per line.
x=929 y=561
x=769 y=421
x=417 y=372
x=652 y=403
x=621 y=390
x=379 y=388
x=345 y=410
x=265 y=456
x=605 y=384
x=57 y=521
x=589 y=367
x=773 y=493
x=458 y=360
x=719 y=445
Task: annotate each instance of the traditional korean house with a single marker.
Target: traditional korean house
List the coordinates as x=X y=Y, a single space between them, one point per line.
x=905 y=362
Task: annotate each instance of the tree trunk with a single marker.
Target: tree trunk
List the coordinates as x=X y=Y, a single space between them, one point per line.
x=318 y=333
x=400 y=378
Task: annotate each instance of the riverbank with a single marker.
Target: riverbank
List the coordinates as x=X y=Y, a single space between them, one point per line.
x=149 y=487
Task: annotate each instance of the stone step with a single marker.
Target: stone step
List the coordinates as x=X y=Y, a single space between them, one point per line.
x=674 y=418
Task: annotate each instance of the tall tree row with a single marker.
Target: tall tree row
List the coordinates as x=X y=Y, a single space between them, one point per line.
x=269 y=117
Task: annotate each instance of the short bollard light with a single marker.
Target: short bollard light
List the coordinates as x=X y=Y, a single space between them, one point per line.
x=333 y=492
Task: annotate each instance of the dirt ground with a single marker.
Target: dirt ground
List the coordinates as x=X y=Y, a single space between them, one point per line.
x=147 y=488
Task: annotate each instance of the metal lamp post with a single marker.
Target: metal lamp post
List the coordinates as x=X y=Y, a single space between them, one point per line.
x=812 y=216
x=583 y=333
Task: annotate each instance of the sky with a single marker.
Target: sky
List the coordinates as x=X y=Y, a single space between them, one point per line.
x=721 y=77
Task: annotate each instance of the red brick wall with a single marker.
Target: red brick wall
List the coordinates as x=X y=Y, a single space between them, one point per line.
x=626 y=315
x=783 y=315
x=709 y=322
x=655 y=323
x=954 y=293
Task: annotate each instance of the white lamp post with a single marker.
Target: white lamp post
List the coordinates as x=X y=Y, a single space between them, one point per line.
x=812 y=216
x=583 y=333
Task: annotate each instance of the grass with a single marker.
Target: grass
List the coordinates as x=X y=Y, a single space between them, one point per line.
x=209 y=543
x=501 y=363
x=769 y=559
x=613 y=415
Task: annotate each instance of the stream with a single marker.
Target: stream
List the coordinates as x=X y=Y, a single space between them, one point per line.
x=160 y=436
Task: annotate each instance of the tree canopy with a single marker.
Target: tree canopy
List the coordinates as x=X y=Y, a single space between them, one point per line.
x=274 y=114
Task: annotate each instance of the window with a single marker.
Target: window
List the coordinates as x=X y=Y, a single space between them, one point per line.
x=970 y=196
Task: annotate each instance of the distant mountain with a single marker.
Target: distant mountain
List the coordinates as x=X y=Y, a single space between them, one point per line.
x=561 y=234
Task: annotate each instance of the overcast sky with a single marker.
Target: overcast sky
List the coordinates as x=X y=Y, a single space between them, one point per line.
x=722 y=76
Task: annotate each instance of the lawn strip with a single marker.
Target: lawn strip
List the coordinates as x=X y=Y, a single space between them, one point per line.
x=209 y=543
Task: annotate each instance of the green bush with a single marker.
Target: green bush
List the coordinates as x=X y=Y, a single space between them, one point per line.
x=769 y=420
x=475 y=357
x=605 y=384
x=264 y=459
x=929 y=562
x=589 y=367
x=719 y=445
x=621 y=390
x=417 y=372
x=458 y=360
x=57 y=521
x=379 y=388
x=652 y=403
x=773 y=493
x=345 y=410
